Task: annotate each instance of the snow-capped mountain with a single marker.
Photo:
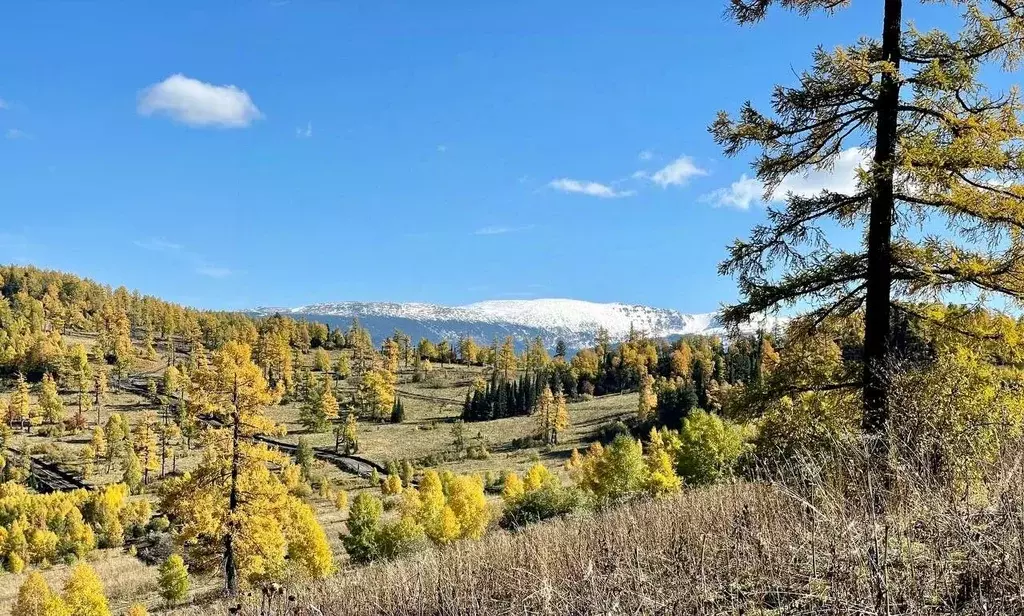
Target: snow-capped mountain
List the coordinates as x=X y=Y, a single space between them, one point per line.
x=574 y=321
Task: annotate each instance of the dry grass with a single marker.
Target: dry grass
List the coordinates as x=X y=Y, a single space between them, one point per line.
x=426 y=432
x=821 y=547
x=125 y=579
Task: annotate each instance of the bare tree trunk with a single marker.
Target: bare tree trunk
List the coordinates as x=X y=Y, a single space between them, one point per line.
x=230 y=567
x=877 y=307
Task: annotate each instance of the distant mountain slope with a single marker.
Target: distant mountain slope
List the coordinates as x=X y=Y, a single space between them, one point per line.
x=574 y=321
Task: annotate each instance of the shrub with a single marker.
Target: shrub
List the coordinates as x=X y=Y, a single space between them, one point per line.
x=544 y=503
x=173 y=580
x=493 y=483
x=341 y=500
x=537 y=477
x=806 y=423
x=369 y=540
x=513 y=487
x=35 y=598
x=709 y=447
x=538 y=497
x=477 y=452
x=619 y=471
x=363 y=527
x=399 y=538
x=159 y=524
x=392 y=485
x=83 y=593
x=953 y=414
x=525 y=442
x=408 y=471
x=609 y=432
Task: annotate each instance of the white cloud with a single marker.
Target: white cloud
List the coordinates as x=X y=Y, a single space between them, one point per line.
x=304 y=132
x=197 y=103
x=500 y=230
x=16 y=133
x=677 y=172
x=841 y=178
x=592 y=189
x=740 y=194
x=4 y=104
x=645 y=155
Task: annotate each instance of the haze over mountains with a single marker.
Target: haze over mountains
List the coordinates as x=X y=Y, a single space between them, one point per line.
x=574 y=321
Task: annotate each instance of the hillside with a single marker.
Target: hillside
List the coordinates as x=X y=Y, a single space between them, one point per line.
x=745 y=548
x=575 y=322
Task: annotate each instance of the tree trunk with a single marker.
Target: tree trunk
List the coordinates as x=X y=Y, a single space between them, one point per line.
x=877 y=307
x=230 y=577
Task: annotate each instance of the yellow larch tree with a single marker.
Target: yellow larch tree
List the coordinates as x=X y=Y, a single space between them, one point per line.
x=36 y=599
x=545 y=412
x=83 y=593
x=560 y=421
x=391 y=353
x=100 y=387
x=376 y=393
x=18 y=404
x=50 y=402
x=648 y=402
x=233 y=509
x=505 y=362
x=661 y=473
x=81 y=372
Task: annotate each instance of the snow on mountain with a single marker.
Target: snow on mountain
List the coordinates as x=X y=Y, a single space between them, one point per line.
x=574 y=321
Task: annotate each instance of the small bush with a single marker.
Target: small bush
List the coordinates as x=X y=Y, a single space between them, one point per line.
x=173 y=579
x=341 y=500
x=525 y=442
x=709 y=447
x=136 y=609
x=542 y=504
x=477 y=452
x=392 y=485
x=159 y=524
x=608 y=433
x=369 y=540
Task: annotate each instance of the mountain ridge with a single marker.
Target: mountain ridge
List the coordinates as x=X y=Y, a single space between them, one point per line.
x=576 y=322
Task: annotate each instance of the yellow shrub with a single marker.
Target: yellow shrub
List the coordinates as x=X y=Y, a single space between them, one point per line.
x=83 y=593
x=392 y=485
x=34 y=597
x=341 y=500
x=514 y=487
x=466 y=499
x=537 y=477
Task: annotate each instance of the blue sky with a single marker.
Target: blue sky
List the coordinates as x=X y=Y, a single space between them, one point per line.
x=446 y=152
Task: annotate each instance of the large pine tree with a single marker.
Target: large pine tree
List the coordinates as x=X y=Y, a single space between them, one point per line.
x=940 y=149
